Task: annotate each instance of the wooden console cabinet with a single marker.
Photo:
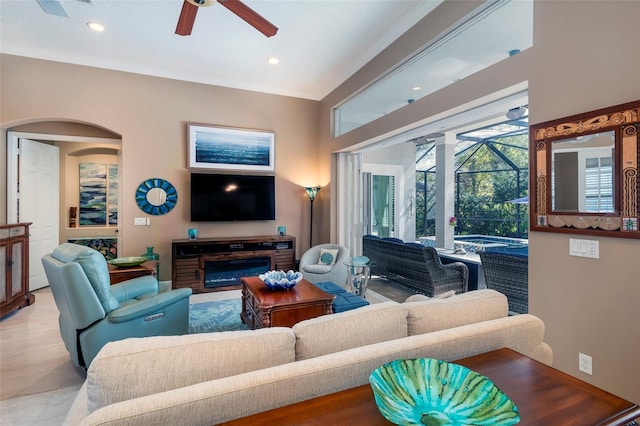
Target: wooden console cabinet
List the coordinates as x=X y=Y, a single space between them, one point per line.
x=14 y=268
x=190 y=257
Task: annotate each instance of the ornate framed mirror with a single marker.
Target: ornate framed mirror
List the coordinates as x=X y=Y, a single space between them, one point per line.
x=585 y=176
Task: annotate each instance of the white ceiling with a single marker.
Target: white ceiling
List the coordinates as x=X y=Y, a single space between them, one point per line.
x=320 y=43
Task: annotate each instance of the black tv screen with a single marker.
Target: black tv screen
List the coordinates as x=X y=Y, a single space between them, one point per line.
x=222 y=198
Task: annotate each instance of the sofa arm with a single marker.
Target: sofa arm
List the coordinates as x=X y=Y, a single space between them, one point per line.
x=130 y=289
x=148 y=305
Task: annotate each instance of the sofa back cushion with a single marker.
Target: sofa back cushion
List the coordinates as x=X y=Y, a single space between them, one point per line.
x=350 y=329
x=132 y=368
x=467 y=308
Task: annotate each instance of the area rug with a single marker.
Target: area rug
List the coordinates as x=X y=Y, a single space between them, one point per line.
x=224 y=315
x=221 y=315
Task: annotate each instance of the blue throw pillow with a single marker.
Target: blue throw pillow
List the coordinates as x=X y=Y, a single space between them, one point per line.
x=328 y=256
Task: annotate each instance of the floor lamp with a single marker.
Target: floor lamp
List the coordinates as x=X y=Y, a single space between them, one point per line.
x=311 y=192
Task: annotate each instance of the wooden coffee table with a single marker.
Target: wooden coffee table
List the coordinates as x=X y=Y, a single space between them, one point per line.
x=262 y=307
x=544 y=396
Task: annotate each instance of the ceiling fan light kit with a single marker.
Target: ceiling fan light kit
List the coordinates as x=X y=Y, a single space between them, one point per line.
x=190 y=10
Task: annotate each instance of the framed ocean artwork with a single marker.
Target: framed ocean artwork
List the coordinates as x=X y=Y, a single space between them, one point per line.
x=232 y=149
x=98 y=197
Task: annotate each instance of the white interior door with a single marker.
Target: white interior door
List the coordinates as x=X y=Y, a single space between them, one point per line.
x=35 y=188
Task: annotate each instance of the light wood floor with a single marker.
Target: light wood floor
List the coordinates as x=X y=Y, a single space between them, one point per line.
x=38 y=381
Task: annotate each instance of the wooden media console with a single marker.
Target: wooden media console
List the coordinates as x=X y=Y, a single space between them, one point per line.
x=216 y=264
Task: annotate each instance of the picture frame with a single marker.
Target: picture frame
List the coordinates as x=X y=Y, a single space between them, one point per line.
x=230 y=149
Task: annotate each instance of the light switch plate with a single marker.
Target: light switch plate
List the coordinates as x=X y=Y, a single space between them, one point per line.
x=584 y=248
x=141 y=221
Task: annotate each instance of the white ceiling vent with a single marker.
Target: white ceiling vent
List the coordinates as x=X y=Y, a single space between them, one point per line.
x=55 y=7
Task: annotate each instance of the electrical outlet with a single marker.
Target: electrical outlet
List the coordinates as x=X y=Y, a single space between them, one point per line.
x=585 y=363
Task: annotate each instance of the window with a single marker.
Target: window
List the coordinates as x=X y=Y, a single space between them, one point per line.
x=497 y=30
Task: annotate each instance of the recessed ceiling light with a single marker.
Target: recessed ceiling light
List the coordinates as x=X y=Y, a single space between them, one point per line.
x=95 y=26
x=416 y=88
x=273 y=60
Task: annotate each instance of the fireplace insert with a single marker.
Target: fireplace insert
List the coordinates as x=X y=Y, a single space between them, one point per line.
x=222 y=273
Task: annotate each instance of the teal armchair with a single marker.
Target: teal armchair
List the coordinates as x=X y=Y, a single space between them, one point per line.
x=93 y=312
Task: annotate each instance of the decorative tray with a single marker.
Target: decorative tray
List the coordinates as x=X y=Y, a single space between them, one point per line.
x=123 y=262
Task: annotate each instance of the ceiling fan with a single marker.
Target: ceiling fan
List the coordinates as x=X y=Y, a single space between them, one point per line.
x=190 y=9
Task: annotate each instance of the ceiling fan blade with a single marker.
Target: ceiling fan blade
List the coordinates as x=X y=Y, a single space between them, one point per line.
x=187 y=18
x=250 y=16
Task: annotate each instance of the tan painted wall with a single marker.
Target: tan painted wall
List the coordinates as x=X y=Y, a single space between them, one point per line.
x=588 y=305
x=151 y=115
x=586 y=55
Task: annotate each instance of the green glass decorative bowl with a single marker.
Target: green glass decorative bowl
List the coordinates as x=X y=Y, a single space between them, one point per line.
x=123 y=262
x=431 y=392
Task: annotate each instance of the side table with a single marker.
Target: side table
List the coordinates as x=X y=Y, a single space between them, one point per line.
x=543 y=395
x=118 y=275
x=359 y=273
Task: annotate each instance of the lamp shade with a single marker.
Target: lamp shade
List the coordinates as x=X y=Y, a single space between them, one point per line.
x=312 y=191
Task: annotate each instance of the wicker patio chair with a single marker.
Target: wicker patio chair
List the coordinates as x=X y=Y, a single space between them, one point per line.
x=508 y=273
x=372 y=248
x=415 y=266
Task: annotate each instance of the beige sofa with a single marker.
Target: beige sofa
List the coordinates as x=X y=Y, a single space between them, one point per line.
x=205 y=379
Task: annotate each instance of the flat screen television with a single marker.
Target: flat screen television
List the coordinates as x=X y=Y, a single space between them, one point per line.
x=226 y=198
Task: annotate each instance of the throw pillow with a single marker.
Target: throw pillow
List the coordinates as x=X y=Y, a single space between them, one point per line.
x=416 y=298
x=422 y=297
x=446 y=294
x=328 y=256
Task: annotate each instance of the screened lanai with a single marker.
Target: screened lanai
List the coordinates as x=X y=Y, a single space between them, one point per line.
x=491 y=181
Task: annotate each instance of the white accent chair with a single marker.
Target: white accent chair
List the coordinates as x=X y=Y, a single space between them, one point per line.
x=317 y=272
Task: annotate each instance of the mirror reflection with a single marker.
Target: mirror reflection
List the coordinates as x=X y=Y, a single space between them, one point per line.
x=582 y=178
x=156 y=196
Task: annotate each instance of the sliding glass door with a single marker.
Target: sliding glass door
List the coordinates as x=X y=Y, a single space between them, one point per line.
x=380 y=189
